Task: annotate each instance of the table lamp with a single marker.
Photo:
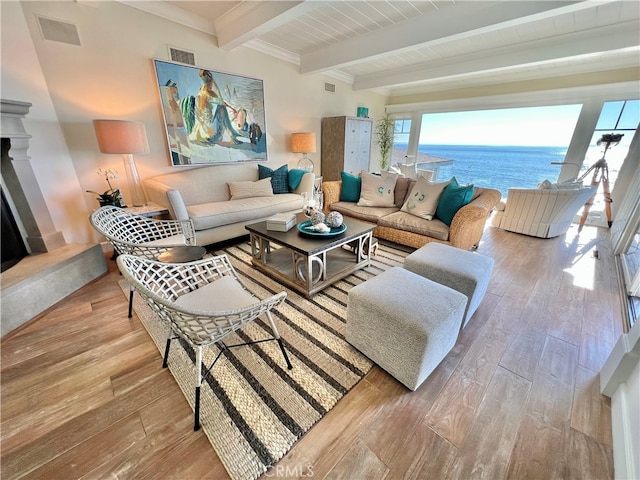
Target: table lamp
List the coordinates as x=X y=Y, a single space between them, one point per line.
x=304 y=142
x=127 y=138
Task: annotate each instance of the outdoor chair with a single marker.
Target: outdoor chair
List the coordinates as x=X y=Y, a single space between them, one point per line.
x=203 y=302
x=138 y=235
x=410 y=170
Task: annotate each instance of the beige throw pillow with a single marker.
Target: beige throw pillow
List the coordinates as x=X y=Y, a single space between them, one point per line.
x=247 y=189
x=377 y=190
x=423 y=199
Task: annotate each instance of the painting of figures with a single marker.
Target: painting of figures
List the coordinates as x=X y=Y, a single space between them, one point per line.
x=211 y=117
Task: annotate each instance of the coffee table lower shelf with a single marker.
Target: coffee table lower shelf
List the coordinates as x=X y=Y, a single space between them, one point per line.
x=327 y=268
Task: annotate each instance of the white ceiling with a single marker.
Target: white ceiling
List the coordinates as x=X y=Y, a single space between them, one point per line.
x=401 y=47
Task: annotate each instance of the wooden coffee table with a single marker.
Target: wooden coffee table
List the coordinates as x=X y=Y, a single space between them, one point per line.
x=310 y=263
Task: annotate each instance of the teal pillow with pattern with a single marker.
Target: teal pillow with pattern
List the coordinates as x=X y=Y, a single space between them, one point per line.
x=279 y=177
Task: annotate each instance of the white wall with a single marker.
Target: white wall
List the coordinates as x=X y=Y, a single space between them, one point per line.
x=111 y=75
x=23 y=79
x=620 y=380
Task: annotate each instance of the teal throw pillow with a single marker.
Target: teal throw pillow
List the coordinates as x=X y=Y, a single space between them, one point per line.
x=279 y=177
x=295 y=177
x=351 y=185
x=453 y=198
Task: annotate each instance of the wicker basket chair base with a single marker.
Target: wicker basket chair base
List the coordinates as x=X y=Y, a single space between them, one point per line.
x=203 y=302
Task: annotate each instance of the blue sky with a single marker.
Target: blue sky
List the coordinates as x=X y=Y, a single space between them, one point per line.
x=531 y=126
x=550 y=126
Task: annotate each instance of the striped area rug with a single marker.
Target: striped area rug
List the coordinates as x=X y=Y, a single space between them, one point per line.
x=252 y=408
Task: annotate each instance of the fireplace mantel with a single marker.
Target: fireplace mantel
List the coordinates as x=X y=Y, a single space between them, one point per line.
x=20 y=181
x=54 y=269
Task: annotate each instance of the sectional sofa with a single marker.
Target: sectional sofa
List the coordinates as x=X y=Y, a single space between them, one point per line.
x=392 y=223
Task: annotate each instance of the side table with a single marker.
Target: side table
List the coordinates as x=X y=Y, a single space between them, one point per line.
x=182 y=254
x=149 y=210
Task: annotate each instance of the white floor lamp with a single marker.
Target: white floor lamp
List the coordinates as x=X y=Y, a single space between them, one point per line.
x=126 y=138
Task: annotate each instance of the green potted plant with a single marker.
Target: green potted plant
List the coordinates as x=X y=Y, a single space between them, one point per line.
x=111 y=196
x=384 y=130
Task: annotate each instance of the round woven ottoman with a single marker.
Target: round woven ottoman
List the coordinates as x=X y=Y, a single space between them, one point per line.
x=404 y=322
x=464 y=271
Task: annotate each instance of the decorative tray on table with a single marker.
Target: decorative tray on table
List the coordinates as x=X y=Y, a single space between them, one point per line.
x=303 y=227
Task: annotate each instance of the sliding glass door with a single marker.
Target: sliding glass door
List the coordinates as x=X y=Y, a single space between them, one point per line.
x=625 y=236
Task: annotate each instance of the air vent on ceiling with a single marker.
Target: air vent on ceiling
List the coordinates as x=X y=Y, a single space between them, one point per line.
x=58 y=31
x=182 y=56
x=329 y=88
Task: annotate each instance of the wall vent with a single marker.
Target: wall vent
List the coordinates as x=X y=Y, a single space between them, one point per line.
x=58 y=31
x=329 y=88
x=182 y=56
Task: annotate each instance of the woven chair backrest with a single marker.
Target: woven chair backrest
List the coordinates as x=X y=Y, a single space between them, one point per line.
x=169 y=281
x=160 y=284
x=125 y=229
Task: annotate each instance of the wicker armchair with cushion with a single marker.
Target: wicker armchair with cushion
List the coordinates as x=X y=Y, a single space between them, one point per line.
x=138 y=235
x=202 y=302
x=458 y=226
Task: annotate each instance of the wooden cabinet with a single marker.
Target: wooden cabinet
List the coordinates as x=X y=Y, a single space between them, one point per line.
x=346 y=146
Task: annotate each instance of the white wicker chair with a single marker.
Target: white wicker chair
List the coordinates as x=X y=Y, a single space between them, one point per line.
x=137 y=235
x=203 y=302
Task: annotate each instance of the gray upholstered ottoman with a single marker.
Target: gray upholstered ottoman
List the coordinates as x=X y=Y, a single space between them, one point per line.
x=464 y=271
x=404 y=322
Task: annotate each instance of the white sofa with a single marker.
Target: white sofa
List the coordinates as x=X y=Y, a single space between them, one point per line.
x=540 y=212
x=203 y=195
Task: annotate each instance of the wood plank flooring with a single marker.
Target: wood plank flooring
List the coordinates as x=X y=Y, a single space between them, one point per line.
x=84 y=395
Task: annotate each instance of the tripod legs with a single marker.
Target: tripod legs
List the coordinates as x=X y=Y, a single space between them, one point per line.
x=601 y=168
x=607 y=199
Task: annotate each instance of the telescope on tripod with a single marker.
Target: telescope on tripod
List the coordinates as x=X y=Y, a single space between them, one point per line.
x=600 y=171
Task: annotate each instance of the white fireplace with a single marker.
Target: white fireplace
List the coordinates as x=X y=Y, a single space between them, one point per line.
x=19 y=180
x=52 y=268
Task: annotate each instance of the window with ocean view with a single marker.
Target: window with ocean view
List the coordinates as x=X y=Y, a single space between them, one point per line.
x=500 y=149
x=401 y=131
x=618 y=118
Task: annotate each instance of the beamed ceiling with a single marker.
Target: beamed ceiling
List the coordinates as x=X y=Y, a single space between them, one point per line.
x=400 y=47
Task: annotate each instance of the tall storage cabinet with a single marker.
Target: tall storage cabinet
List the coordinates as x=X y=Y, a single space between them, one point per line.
x=346 y=146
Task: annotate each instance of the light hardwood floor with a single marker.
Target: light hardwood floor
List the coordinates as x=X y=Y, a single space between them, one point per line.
x=84 y=395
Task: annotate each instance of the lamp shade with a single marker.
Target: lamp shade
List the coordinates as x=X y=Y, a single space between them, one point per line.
x=121 y=136
x=303 y=142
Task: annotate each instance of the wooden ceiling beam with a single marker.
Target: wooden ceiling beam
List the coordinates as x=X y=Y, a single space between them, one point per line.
x=248 y=20
x=589 y=42
x=444 y=26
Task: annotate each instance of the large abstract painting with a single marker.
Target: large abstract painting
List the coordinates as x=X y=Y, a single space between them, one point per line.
x=211 y=117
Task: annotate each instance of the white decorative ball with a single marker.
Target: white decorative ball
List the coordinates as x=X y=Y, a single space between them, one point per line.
x=334 y=219
x=317 y=218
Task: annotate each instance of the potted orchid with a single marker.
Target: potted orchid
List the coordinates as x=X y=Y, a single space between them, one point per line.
x=111 y=196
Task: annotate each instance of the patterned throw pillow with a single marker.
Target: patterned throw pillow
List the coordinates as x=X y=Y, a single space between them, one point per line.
x=423 y=199
x=378 y=190
x=351 y=185
x=453 y=198
x=279 y=177
x=247 y=189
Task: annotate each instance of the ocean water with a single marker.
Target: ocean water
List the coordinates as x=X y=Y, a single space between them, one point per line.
x=499 y=167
